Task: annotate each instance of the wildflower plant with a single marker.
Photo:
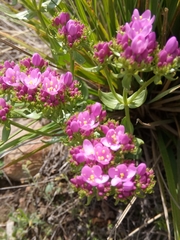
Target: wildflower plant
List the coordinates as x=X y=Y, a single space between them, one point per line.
x=38 y=88
x=121 y=62
x=102 y=157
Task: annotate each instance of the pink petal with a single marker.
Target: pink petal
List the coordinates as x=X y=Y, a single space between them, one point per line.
x=88 y=147
x=103 y=179
x=141 y=169
x=128 y=186
x=97 y=170
x=113 y=172
x=115 y=181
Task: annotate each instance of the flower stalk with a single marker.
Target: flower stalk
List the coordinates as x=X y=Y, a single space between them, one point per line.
x=127 y=114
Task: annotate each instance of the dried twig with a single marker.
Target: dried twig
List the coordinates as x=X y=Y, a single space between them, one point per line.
x=123 y=215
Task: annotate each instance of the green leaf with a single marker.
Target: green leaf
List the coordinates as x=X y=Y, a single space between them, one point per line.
x=110 y=101
x=90 y=76
x=6 y=131
x=25 y=113
x=50 y=5
x=89 y=199
x=165 y=93
x=49 y=188
x=169 y=161
x=18 y=141
x=138 y=100
x=84 y=90
x=93 y=69
x=126 y=82
x=25 y=15
x=108 y=13
x=138 y=79
x=78 y=57
x=128 y=126
x=157 y=80
x=81 y=11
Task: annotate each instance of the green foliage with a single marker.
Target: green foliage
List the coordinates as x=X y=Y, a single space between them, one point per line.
x=6 y=132
x=28 y=225
x=110 y=101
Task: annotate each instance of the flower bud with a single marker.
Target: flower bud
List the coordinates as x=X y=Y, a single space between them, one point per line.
x=171 y=45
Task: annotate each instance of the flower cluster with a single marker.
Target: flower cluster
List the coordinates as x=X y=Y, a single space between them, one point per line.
x=101 y=153
x=38 y=86
x=4 y=109
x=102 y=51
x=62 y=19
x=71 y=30
x=86 y=121
x=136 y=41
x=136 y=49
x=168 y=55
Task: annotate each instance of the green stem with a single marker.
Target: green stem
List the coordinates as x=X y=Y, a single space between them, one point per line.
x=43 y=24
x=145 y=85
x=117 y=96
x=126 y=109
x=72 y=62
x=38 y=132
x=122 y=100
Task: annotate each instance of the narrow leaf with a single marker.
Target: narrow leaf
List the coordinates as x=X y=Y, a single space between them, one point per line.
x=6 y=131
x=165 y=93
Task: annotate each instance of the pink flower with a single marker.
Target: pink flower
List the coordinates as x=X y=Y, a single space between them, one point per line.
x=96 y=109
x=137 y=39
x=171 y=45
x=115 y=138
x=37 y=60
x=32 y=80
x=169 y=52
x=4 y=109
x=102 y=154
x=123 y=174
x=141 y=169
x=135 y=28
x=102 y=51
x=73 y=30
x=97 y=152
x=61 y=19
x=145 y=18
x=11 y=77
x=94 y=176
x=89 y=150
x=51 y=85
x=139 y=44
x=85 y=121
x=66 y=79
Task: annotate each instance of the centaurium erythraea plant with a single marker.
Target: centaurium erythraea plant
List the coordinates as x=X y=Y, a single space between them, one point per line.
x=135 y=48
x=71 y=30
x=39 y=87
x=101 y=157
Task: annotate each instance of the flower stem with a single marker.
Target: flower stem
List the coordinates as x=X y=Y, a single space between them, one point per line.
x=117 y=96
x=126 y=109
x=145 y=85
x=30 y=130
x=122 y=100
x=72 y=62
